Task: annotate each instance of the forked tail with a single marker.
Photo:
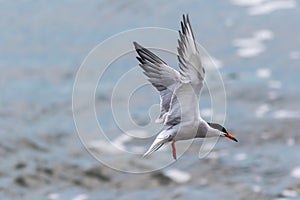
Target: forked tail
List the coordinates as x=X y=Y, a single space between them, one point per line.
x=162 y=138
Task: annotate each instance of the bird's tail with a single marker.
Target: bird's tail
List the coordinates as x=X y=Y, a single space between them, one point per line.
x=160 y=140
x=154 y=147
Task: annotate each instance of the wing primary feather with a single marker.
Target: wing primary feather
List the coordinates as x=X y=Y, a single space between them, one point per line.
x=160 y=75
x=145 y=54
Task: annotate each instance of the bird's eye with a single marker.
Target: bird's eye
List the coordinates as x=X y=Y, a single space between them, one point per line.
x=224 y=130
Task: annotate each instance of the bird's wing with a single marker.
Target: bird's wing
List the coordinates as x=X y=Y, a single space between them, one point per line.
x=191 y=68
x=160 y=75
x=184 y=105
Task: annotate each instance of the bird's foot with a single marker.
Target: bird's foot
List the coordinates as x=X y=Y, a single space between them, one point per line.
x=174 y=150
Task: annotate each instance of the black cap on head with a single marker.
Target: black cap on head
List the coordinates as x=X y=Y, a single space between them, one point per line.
x=217 y=126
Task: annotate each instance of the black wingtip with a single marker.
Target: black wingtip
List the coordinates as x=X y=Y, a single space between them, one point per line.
x=136 y=45
x=139 y=59
x=185 y=17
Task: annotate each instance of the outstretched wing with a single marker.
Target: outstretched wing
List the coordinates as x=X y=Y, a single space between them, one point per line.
x=184 y=106
x=190 y=64
x=185 y=100
x=160 y=75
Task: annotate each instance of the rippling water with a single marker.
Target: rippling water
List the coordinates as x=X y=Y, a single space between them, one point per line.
x=255 y=45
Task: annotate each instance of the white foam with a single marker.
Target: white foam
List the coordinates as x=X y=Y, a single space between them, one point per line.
x=177 y=175
x=289 y=193
x=263 y=73
x=294 y=55
x=253 y=46
x=240 y=157
x=296 y=172
x=256 y=188
x=271 y=6
x=286 y=114
x=249 y=52
x=121 y=140
x=81 y=197
x=260 y=7
x=262 y=110
x=53 y=196
x=246 y=2
x=113 y=147
x=103 y=146
x=263 y=34
x=290 y=141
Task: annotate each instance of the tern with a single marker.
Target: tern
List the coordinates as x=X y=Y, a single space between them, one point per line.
x=179 y=92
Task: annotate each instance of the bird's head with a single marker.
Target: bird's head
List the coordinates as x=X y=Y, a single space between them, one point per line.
x=220 y=130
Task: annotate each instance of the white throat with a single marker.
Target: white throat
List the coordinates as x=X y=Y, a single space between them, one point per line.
x=212 y=132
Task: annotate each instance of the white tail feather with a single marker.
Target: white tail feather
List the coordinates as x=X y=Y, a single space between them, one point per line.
x=160 y=140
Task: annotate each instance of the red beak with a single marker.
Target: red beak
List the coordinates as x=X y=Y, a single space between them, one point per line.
x=231 y=137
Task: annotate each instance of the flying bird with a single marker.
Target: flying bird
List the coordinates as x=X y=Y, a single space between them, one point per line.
x=179 y=92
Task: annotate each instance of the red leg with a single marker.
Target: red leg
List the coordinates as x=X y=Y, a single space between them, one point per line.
x=174 y=149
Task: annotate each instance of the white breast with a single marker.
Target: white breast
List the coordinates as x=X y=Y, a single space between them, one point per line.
x=190 y=130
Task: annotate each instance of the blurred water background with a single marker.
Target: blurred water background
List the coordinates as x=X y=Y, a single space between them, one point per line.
x=256 y=45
